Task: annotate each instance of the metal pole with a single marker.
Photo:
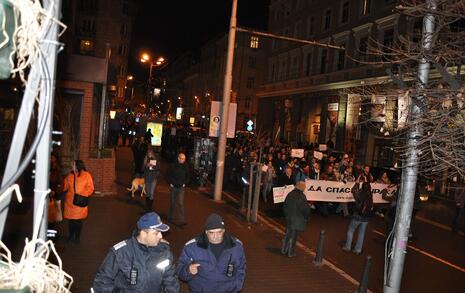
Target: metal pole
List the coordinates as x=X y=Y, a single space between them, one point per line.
x=256 y=198
x=409 y=175
x=249 y=199
x=43 y=150
x=103 y=104
x=225 y=111
x=19 y=136
x=363 y=287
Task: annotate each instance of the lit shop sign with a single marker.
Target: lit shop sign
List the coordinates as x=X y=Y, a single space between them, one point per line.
x=178 y=113
x=157 y=131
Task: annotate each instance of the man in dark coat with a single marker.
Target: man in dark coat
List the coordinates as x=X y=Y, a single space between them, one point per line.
x=213 y=262
x=297 y=213
x=177 y=178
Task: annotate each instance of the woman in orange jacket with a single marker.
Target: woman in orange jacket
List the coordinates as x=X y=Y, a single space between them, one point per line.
x=78 y=181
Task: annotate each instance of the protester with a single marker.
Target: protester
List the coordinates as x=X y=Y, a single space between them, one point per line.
x=77 y=184
x=213 y=262
x=177 y=178
x=142 y=263
x=151 y=172
x=297 y=213
x=363 y=206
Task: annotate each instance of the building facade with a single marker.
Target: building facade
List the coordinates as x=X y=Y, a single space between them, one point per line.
x=202 y=77
x=91 y=78
x=308 y=88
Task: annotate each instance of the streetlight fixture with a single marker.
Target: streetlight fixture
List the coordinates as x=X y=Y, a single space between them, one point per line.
x=159 y=63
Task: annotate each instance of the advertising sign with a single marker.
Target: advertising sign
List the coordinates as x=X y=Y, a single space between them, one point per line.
x=215 y=120
x=157 y=131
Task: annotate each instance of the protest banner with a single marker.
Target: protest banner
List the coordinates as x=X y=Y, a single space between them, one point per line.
x=331 y=191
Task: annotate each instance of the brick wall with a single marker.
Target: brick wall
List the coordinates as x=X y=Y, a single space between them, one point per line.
x=103 y=170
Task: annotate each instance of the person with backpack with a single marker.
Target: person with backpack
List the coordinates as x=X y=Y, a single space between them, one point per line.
x=363 y=206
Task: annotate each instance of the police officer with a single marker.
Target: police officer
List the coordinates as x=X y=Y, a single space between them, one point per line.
x=213 y=261
x=142 y=263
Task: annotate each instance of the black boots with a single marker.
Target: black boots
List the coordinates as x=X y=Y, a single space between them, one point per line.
x=148 y=203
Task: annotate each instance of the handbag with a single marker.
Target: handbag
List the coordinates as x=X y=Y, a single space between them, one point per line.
x=55 y=214
x=79 y=200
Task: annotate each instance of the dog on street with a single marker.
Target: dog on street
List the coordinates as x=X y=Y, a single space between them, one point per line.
x=136 y=183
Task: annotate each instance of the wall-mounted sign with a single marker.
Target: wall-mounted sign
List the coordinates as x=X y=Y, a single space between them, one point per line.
x=333 y=106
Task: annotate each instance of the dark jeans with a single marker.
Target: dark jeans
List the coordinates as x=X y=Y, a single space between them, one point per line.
x=177 y=194
x=75 y=227
x=150 y=188
x=289 y=242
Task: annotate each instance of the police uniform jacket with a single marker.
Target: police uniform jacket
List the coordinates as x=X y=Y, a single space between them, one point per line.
x=154 y=265
x=212 y=273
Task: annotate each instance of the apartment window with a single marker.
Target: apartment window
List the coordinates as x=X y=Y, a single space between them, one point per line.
x=388 y=39
x=86 y=46
x=298 y=29
x=120 y=91
x=341 y=59
x=327 y=22
x=345 y=12
x=122 y=70
x=366 y=7
x=295 y=67
x=363 y=48
x=272 y=72
x=125 y=9
x=250 y=82
x=123 y=50
x=88 y=5
x=87 y=26
x=311 y=26
x=247 y=102
x=308 y=64
x=252 y=62
x=123 y=29
x=324 y=60
x=254 y=42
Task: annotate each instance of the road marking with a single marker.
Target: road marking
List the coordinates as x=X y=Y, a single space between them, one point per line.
x=281 y=230
x=439 y=225
x=429 y=255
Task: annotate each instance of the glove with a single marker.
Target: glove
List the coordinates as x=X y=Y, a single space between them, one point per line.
x=171 y=185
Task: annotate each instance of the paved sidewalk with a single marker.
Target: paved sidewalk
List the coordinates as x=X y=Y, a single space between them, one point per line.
x=112 y=219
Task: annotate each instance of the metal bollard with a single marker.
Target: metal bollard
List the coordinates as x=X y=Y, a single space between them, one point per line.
x=318 y=261
x=364 y=282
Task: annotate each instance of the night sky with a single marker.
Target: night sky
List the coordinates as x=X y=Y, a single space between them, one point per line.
x=172 y=27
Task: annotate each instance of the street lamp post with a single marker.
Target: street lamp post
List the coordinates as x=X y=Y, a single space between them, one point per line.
x=225 y=110
x=159 y=63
